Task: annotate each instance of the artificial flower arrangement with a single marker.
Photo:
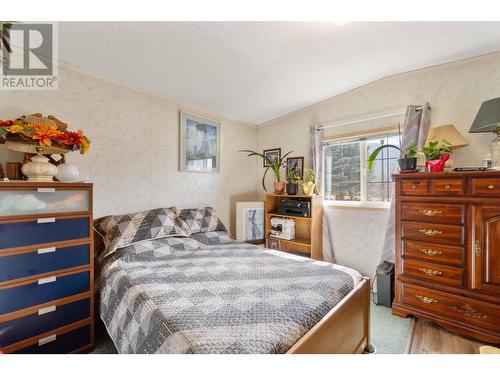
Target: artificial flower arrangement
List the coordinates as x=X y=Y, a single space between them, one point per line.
x=50 y=133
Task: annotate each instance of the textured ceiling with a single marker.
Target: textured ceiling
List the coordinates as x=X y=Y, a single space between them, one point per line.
x=257 y=71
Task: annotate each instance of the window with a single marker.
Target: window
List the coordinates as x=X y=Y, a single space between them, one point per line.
x=346 y=176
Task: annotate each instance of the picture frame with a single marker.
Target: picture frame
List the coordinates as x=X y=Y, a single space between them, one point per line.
x=250 y=217
x=199 y=144
x=297 y=162
x=272 y=153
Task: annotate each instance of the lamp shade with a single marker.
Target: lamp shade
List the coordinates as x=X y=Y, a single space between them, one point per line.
x=448 y=133
x=488 y=117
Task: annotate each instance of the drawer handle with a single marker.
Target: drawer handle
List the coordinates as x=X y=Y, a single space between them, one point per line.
x=430 y=272
x=478 y=247
x=46 y=310
x=447 y=187
x=46 y=190
x=491 y=187
x=430 y=232
x=47 y=339
x=430 y=212
x=415 y=185
x=430 y=252
x=47 y=280
x=46 y=220
x=469 y=311
x=426 y=300
x=46 y=250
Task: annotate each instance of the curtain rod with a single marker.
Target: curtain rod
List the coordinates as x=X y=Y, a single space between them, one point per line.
x=366 y=119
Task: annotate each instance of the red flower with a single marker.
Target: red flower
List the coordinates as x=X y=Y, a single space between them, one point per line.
x=6 y=123
x=75 y=138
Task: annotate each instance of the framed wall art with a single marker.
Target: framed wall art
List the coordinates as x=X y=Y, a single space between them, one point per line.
x=199 y=144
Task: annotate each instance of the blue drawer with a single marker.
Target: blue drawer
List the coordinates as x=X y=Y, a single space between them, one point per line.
x=20 y=297
x=33 y=233
x=23 y=328
x=61 y=344
x=43 y=260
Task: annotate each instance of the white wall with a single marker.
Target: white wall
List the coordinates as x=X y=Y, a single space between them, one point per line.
x=134 y=156
x=454 y=91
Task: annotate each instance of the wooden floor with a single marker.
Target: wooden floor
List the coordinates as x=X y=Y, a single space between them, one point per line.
x=429 y=338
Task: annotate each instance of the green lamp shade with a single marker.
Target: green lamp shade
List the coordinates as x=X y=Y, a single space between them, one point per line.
x=488 y=118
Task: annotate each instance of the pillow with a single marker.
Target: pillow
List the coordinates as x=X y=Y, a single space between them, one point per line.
x=201 y=219
x=118 y=231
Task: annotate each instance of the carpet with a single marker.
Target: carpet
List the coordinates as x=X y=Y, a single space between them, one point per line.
x=389 y=334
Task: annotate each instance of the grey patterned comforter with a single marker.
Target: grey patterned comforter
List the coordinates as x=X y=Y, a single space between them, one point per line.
x=211 y=294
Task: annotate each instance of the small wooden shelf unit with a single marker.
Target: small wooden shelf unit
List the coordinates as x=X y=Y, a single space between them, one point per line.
x=308 y=230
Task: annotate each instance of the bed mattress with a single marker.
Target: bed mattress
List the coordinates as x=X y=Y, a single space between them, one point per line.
x=209 y=293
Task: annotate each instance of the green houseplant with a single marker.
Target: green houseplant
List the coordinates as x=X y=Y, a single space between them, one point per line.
x=408 y=161
x=308 y=185
x=436 y=154
x=273 y=164
x=292 y=181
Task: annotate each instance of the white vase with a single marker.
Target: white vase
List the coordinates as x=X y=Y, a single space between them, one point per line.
x=39 y=169
x=67 y=173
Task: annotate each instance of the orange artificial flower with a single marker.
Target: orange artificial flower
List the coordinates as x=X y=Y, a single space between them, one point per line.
x=45 y=134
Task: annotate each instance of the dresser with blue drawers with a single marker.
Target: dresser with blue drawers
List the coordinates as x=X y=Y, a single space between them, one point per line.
x=46 y=268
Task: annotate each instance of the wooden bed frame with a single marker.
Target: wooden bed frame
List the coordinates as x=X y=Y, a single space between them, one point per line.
x=344 y=330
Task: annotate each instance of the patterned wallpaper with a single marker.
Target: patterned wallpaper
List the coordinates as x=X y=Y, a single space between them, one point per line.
x=134 y=156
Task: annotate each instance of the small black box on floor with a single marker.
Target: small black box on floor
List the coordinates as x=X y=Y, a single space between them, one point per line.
x=385 y=284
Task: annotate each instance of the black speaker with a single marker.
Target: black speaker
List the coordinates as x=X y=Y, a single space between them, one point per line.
x=385 y=284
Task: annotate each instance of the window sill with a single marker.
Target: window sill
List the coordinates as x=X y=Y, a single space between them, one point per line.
x=358 y=205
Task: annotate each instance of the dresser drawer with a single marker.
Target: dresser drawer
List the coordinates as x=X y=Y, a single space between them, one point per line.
x=43 y=260
x=46 y=320
x=432 y=252
x=434 y=272
x=13 y=298
x=436 y=233
x=486 y=186
x=463 y=309
x=415 y=187
x=39 y=201
x=448 y=187
x=40 y=231
x=65 y=343
x=431 y=212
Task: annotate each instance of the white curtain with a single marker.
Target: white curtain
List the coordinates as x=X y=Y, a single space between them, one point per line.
x=416 y=128
x=317 y=164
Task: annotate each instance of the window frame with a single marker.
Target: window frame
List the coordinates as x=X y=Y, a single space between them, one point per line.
x=363 y=170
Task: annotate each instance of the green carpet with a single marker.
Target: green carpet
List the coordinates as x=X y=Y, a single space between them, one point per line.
x=389 y=333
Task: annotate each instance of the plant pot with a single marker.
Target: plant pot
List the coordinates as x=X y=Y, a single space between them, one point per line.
x=438 y=164
x=279 y=187
x=407 y=164
x=308 y=188
x=292 y=188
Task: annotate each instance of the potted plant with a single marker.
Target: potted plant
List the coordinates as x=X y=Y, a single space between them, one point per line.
x=272 y=164
x=436 y=154
x=292 y=182
x=407 y=162
x=309 y=185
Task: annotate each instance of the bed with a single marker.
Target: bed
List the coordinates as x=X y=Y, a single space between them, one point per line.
x=208 y=293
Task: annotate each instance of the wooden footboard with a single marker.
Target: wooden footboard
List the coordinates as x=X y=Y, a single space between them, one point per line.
x=344 y=330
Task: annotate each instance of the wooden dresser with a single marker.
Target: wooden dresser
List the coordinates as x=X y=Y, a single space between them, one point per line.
x=448 y=251
x=46 y=268
x=308 y=230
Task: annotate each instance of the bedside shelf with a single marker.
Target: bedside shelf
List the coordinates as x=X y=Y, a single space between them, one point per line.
x=309 y=230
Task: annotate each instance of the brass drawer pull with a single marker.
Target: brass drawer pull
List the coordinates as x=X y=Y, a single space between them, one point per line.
x=430 y=252
x=427 y=300
x=469 y=311
x=478 y=247
x=430 y=272
x=491 y=187
x=430 y=232
x=430 y=212
x=447 y=187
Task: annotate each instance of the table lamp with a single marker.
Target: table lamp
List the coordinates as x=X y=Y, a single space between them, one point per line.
x=452 y=135
x=488 y=121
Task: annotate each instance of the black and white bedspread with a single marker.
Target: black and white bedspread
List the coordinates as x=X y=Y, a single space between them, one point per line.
x=211 y=294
